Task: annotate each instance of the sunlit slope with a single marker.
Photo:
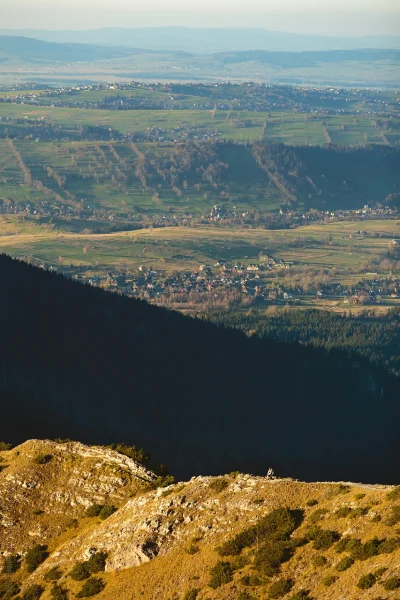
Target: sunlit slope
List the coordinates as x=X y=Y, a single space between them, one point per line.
x=216 y=538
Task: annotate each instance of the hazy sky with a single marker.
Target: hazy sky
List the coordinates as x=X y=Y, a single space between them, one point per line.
x=339 y=17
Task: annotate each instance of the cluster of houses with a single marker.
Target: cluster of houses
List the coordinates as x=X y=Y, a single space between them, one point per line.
x=99 y=219
x=374 y=291
x=99 y=215
x=149 y=284
x=220 y=96
x=181 y=133
x=248 y=280
x=245 y=279
x=293 y=218
x=48 y=208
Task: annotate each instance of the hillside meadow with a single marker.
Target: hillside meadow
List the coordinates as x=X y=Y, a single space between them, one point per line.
x=188 y=178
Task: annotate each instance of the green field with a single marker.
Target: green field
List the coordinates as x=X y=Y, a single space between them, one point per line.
x=289 y=127
x=332 y=246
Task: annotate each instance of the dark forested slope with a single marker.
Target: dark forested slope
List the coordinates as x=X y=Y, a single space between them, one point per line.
x=78 y=362
x=375 y=337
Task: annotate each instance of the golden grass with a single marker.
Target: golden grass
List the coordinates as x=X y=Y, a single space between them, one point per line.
x=214 y=518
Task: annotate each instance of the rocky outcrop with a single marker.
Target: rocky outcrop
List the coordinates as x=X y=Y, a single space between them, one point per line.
x=162 y=542
x=58 y=481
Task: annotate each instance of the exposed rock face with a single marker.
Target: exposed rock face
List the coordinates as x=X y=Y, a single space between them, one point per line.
x=61 y=480
x=162 y=542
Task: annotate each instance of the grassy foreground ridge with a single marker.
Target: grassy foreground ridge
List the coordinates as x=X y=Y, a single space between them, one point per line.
x=217 y=538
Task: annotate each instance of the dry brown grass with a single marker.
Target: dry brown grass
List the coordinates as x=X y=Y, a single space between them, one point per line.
x=209 y=517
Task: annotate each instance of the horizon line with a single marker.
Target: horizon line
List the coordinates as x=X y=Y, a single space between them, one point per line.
x=315 y=35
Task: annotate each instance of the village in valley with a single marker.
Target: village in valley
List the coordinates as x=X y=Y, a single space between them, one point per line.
x=225 y=284
x=207 y=195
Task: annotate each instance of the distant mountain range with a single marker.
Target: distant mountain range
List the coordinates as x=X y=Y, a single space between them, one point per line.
x=290 y=60
x=29 y=50
x=207 y=41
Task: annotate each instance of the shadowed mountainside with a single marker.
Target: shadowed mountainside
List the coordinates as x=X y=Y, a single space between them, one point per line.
x=78 y=362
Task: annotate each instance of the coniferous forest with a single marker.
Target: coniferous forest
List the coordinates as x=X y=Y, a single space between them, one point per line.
x=365 y=334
